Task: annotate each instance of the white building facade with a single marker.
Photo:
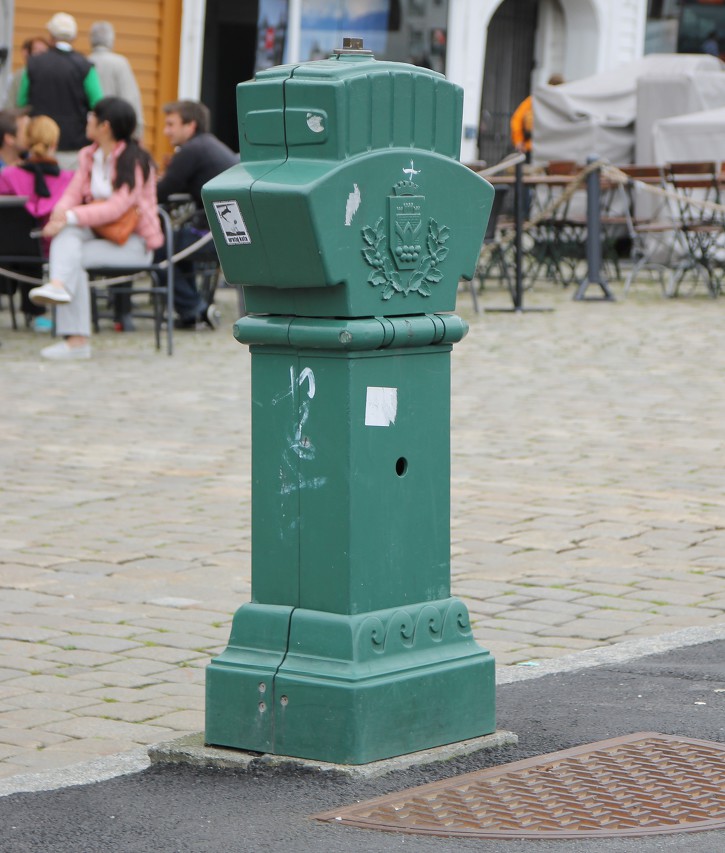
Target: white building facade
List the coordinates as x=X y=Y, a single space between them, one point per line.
x=496 y=50
x=575 y=38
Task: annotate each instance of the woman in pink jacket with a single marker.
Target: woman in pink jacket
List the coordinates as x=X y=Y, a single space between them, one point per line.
x=114 y=174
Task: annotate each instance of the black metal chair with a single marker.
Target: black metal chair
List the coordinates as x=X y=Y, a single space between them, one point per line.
x=700 y=227
x=493 y=258
x=204 y=263
x=21 y=249
x=159 y=289
x=653 y=238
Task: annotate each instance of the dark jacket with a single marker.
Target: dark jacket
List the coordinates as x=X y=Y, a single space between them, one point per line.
x=197 y=161
x=57 y=88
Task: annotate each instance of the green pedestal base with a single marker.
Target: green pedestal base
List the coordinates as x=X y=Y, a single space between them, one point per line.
x=350 y=689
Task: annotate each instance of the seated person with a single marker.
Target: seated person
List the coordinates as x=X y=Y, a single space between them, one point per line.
x=38 y=176
x=199 y=156
x=12 y=137
x=43 y=182
x=115 y=176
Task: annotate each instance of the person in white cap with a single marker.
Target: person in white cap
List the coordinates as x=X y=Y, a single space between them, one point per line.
x=114 y=70
x=63 y=84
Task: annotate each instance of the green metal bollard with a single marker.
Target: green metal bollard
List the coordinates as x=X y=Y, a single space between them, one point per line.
x=349 y=221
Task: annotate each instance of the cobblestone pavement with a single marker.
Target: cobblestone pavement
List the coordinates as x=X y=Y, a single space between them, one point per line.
x=587 y=501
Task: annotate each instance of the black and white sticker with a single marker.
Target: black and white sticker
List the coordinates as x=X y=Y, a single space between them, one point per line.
x=232 y=223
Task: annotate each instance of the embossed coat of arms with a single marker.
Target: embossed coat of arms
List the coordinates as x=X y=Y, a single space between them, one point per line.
x=405 y=255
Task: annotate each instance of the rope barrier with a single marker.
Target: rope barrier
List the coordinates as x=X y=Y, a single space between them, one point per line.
x=179 y=256
x=618 y=176
x=612 y=173
x=544 y=214
x=609 y=171
x=506 y=163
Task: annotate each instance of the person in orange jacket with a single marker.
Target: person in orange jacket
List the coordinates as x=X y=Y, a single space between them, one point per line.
x=522 y=121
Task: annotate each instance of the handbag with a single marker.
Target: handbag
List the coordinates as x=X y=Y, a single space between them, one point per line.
x=120 y=229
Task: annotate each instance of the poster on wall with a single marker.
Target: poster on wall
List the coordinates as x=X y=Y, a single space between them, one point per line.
x=326 y=22
x=271 y=33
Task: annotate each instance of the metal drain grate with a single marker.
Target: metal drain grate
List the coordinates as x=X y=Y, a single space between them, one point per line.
x=640 y=784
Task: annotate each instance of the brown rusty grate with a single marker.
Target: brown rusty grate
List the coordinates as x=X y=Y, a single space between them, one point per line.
x=640 y=784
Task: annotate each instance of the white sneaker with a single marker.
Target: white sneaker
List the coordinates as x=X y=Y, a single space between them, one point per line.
x=48 y=294
x=62 y=351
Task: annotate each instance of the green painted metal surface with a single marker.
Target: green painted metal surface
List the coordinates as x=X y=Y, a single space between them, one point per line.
x=369 y=213
x=352 y=510
x=350 y=222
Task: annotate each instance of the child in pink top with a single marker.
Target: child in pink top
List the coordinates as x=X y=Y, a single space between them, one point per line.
x=39 y=177
x=43 y=182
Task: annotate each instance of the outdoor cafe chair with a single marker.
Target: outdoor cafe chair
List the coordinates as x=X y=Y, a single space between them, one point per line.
x=649 y=226
x=492 y=263
x=205 y=261
x=141 y=280
x=555 y=245
x=700 y=227
x=21 y=249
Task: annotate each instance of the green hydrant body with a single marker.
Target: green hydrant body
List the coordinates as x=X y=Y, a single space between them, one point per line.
x=349 y=222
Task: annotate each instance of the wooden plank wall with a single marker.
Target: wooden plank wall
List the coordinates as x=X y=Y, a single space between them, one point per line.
x=147 y=34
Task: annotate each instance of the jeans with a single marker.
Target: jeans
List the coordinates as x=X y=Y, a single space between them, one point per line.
x=188 y=302
x=74 y=249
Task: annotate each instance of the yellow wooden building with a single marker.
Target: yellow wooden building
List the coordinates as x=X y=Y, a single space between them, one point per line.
x=147 y=34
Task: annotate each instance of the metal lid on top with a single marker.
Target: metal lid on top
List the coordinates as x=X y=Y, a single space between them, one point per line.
x=352 y=45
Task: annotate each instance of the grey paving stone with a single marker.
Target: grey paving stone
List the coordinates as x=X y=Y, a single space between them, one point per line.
x=543 y=614
x=178 y=641
x=659 y=594
x=91 y=747
x=164 y=654
x=26 y=633
x=182 y=721
x=26 y=665
x=600 y=630
x=112 y=676
x=183 y=702
x=483 y=609
x=93 y=643
x=9 y=769
x=135 y=667
x=135 y=712
x=51 y=684
x=71 y=656
x=29 y=738
x=628 y=601
x=99 y=727
x=59 y=701
x=614 y=464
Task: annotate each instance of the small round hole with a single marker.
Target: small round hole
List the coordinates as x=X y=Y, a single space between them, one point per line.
x=401 y=466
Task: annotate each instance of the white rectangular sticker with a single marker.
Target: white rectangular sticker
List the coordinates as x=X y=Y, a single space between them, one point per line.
x=232 y=223
x=381 y=406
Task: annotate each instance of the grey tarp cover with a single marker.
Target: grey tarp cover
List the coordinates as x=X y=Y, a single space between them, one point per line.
x=697 y=136
x=597 y=115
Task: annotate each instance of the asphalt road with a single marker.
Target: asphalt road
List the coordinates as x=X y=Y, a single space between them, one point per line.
x=189 y=810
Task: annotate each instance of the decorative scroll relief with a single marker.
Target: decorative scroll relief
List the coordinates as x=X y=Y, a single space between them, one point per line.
x=410 y=630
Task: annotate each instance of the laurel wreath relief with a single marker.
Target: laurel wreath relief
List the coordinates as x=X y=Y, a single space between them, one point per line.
x=384 y=272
